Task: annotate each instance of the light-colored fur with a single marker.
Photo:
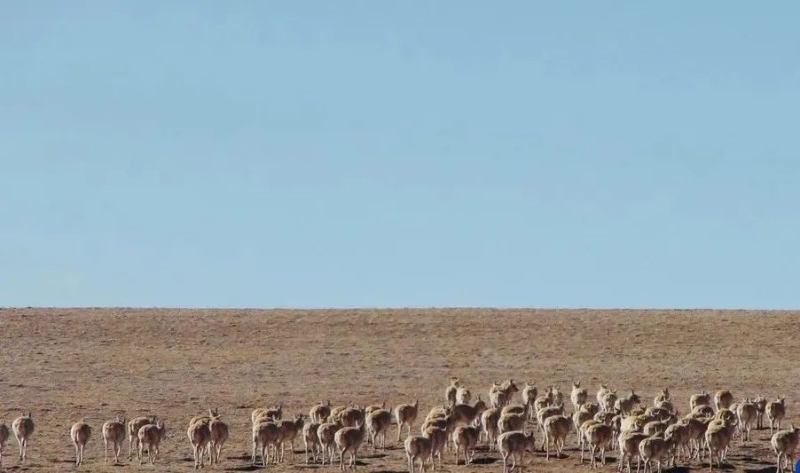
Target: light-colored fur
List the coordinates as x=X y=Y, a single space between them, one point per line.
x=701 y=399
x=320 y=412
x=219 y=435
x=653 y=449
x=378 y=422
x=723 y=399
x=326 y=433
x=578 y=396
x=466 y=438
x=80 y=434
x=348 y=440
x=288 y=432
x=23 y=428
x=150 y=436
x=451 y=391
x=746 y=414
x=265 y=435
x=417 y=447
x=628 y=448
x=529 y=394
x=406 y=414
x=718 y=436
x=200 y=437
x=133 y=432
x=114 y=432
x=556 y=429
x=311 y=440
x=784 y=443
x=515 y=444
x=776 y=411
x=598 y=437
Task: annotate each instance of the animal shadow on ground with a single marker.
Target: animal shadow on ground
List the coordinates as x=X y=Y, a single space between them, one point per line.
x=483 y=461
x=245 y=468
x=766 y=469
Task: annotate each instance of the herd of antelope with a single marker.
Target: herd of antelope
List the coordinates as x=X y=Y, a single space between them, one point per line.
x=654 y=434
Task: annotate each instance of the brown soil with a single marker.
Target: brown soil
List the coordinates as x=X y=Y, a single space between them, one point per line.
x=68 y=364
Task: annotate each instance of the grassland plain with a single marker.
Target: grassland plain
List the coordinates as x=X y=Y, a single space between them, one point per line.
x=68 y=364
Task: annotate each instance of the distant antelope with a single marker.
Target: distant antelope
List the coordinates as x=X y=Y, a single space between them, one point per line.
x=578 y=396
x=406 y=414
x=3 y=437
x=80 y=433
x=23 y=429
x=515 y=444
x=348 y=440
x=776 y=411
x=326 y=434
x=199 y=436
x=219 y=435
x=133 y=432
x=150 y=436
x=379 y=421
x=451 y=391
x=311 y=440
x=114 y=432
x=417 y=447
x=529 y=395
x=784 y=443
x=319 y=413
x=265 y=434
x=465 y=437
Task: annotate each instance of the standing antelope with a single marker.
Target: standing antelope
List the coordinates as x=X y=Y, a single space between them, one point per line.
x=23 y=429
x=114 y=432
x=80 y=433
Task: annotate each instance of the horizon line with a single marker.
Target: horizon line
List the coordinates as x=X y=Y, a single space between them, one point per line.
x=363 y=308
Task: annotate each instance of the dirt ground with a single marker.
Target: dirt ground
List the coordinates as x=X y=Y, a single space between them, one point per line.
x=68 y=364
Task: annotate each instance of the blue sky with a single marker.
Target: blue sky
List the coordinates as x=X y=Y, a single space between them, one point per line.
x=399 y=154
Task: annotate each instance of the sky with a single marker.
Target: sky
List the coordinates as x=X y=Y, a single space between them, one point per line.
x=574 y=154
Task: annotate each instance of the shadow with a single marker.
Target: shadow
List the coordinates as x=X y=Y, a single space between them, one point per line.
x=483 y=461
x=246 y=468
x=679 y=469
x=767 y=469
x=757 y=461
x=390 y=471
x=241 y=457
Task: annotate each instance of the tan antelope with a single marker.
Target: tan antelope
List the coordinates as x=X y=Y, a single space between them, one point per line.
x=311 y=440
x=326 y=434
x=114 y=432
x=379 y=422
x=417 y=447
x=776 y=411
x=348 y=439
x=578 y=396
x=784 y=443
x=199 y=437
x=515 y=444
x=150 y=436
x=133 y=432
x=219 y=435
x=23 y=429
x=288 y=432
x=80 y=433
x=320 y=412
x=465 y=437
x=4 y=434
x=406 y=414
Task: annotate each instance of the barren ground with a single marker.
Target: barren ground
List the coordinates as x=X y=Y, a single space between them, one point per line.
x=68 y=364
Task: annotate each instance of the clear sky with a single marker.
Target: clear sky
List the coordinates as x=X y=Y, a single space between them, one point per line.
x=400 y=154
